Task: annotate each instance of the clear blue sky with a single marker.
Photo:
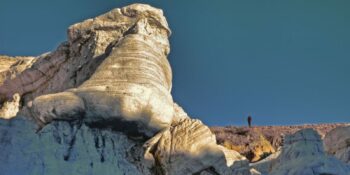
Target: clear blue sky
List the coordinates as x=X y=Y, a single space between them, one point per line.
x=283 y=62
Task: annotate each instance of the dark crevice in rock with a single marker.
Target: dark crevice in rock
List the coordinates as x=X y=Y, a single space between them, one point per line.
x=96 y=140
x=210 y=170
x=127 y=127
x=74 y=128
x=130 y=30
x=102 y=158
x=100 y=143
x=57 y=137
x=157 y=169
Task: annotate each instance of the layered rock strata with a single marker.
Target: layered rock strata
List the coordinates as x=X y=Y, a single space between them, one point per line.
x=132 y=83
x=189 y=147
x=107 y=90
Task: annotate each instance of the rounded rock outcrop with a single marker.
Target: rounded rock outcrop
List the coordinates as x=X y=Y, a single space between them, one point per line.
x=303 y=154
x=189 y=147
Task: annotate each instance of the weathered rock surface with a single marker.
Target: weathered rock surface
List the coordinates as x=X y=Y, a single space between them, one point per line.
x=302 y=154
x=189 y=147
x=98 y=97
x=103 y=104
x=265 y=166
x=248 y=142
x=89 y=43
x=63 y=148
x=337 y=143
x=10 y=108
x=133 y=82
x=259 y=141
x=10 y=68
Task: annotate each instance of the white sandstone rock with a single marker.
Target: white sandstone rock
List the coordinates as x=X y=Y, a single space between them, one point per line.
x=89 y=43
x=303 y=154
x=9 y=109
x=132 y=84
x=111 y=75
x=265 y=166
x=63 y=148
x=189 y=147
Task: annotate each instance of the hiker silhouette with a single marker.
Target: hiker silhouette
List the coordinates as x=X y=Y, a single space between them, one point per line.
x=250 y=121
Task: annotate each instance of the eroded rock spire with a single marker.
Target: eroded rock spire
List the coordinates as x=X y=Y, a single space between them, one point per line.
x=111 y=79
x=132 y=84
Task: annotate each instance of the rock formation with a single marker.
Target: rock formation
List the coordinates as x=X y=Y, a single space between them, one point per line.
x=98 y=98
x=265 y=166
x=101 y=104
x=133 y=80
x=130 y=84
x=10 y=68
x=302 y=154
x=337 y=143
x=189 y=147
x=259 y=141
x=63 y=148
x=247 y=141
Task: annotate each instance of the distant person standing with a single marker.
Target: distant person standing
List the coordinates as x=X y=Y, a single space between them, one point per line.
x=250 y=121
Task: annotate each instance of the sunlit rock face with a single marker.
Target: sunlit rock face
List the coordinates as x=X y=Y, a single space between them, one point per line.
x=133 y=82
x=10 y=68
x=103 y=106
x=302 y=154
x=337 y=143
x=249 y=142
x=189 y=147
x=88 y=45
x=265 y=166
